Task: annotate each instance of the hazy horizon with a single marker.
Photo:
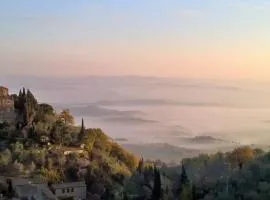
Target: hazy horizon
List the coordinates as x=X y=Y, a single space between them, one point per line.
x=163 y=70
x=135 y=99
x=160 y=110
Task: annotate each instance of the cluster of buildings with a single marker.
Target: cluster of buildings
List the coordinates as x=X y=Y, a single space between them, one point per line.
x=24 y=189
x=30 y=190
x=7 y=113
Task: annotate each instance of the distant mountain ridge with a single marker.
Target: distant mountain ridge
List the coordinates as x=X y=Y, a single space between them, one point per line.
x=161 y=151
x=205 y=139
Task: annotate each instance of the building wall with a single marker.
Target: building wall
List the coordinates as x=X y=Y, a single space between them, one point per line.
x=80 y=151
x=7 y=113
x=6 y=103
x=3 y=92
x=77 y=192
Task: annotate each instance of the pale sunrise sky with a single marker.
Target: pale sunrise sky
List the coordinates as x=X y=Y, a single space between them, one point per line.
x=179 y=38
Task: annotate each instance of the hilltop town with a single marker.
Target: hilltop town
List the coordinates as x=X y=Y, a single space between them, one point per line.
x=44 y=154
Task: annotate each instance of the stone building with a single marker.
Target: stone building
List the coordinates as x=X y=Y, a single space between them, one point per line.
x=6 y=106
x=30 y=189
x=74 y=190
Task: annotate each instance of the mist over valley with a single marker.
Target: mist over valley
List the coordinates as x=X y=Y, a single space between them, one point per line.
x=192 y=115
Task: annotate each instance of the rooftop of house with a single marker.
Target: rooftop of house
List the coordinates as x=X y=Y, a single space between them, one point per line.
x=37 y=191
x=69 y=184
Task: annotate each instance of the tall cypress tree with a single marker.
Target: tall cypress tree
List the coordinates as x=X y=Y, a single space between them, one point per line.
x=82 y=131
x=19 y=103
x=184 y=190
x=30 y=107
x=23 y=92
x=125 y=196
x=194 y=192
x=184 y=178
x=156 y=193
x=140 y=166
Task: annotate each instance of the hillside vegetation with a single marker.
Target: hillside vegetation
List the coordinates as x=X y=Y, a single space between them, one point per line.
x=243 y=174
x=43 y=144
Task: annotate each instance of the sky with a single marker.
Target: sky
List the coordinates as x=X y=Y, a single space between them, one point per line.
x=228 y=39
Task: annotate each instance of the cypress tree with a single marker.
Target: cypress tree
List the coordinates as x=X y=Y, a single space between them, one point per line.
x=30 y=97
x=156 y=193
x=140 y=168
x=184 y=178
x=23 y=92
x=82 y=131
x=194 y=192
x=184 y=191
x=30 y=107
x=125 y=196
x=20 y=102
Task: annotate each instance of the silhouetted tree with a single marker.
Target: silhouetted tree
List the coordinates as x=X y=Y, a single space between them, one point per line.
x=20 y=93
x=125 y=196
x=140 y=167
x=81 y=135
x=156 y=193
x=26 y=105
x=23 y=92
x=10 y=190
x=194 y=192
x=184 y=191
x=184 y=177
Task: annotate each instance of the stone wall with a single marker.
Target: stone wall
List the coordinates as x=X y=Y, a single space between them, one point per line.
x=6 y=106
x=6 y=103
x=3 y=91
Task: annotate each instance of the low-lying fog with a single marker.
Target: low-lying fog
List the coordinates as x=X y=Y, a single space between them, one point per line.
x=135 y=110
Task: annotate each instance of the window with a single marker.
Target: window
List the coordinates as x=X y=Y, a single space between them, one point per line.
x=63 y=190
x=67 y=190
x=72 y=189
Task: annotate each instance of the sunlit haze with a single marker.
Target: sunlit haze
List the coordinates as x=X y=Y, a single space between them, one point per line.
x=204 y=39
x=135 y=99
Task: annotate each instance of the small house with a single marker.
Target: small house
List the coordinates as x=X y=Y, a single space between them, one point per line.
x=76 y=190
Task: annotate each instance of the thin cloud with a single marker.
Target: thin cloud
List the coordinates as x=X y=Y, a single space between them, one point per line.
x=251 y=6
